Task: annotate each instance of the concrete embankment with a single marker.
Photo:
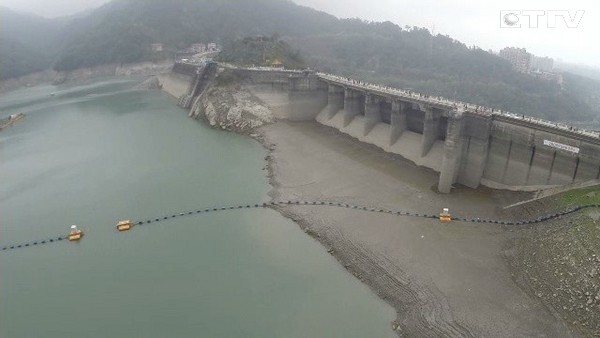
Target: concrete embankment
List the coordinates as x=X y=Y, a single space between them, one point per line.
x=407 y=145
x=176 y=84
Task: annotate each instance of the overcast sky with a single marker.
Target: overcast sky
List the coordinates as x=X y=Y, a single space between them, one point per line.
x=474 y=22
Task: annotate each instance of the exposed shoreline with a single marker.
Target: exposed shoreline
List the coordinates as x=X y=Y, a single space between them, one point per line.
x=83 y=74
x=423 y=309
x=441 y=280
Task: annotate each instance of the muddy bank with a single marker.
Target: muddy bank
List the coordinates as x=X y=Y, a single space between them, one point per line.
x=443 y=280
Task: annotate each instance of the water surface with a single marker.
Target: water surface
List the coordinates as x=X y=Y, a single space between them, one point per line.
x=97 y=153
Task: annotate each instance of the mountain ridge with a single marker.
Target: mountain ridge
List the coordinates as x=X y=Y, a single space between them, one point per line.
x=122 y=31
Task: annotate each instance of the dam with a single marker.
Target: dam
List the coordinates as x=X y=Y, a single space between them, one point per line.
x=466 y=144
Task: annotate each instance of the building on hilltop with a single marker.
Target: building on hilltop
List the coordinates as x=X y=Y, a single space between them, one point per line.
x=277 y=64
x=539 y=67
x=518 y=57
x=548 y=76
x=542 y=64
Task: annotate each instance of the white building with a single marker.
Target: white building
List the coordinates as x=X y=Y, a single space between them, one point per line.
x=542 y=64
x=518 y=57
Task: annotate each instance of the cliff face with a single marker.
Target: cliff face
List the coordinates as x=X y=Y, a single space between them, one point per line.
x=231 y=108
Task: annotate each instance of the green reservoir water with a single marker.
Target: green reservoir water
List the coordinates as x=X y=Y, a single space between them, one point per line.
x=98 y=153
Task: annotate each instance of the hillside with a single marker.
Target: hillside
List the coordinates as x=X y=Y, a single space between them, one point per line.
x=18 y=59
x=27 y=43
x=262 y=51
x=439 y=65
x=123 y=30
x=409 y=57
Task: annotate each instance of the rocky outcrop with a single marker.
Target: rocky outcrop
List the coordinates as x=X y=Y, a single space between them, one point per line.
x=231 y=108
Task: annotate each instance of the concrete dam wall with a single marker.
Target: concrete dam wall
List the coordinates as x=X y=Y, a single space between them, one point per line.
x=306 y=93
x=176 y=84
x=466 y=146
x=186 y=82
x=522 y=155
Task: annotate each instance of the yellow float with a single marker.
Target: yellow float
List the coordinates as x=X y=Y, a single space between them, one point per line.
x=124 y=225
x=75 y=234
x=445 y=216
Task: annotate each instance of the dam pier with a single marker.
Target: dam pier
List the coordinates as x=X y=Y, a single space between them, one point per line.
x=466 y=144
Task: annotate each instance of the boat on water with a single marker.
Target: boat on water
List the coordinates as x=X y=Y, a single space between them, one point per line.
x=16 y=117
x=12 y=119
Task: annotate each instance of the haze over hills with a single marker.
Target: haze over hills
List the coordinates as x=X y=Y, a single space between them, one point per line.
x=28 y=43
x=410 y=57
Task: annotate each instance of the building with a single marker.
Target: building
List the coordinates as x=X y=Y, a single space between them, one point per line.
x=542 y=64
x=518 y=57
x=277 y=64
x=548 y=76
x=157 y=47
x=198 y=48
x=212 y=47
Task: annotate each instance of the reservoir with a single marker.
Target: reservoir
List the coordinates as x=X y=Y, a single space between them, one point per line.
x=98 y=153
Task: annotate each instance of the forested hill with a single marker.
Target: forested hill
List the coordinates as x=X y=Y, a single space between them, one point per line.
x=438 y=65
x=409 y=57
x=123 y=30
x=27 y=43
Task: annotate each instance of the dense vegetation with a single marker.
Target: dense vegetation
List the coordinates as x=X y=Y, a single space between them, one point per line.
x=27 y=43
x=438 y=65
x=409 y=57
x=18 y=59
x=123 y=30
x=262 y=51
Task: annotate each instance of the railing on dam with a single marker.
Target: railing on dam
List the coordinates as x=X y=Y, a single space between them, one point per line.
x=261 y=69
x=191 y=67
